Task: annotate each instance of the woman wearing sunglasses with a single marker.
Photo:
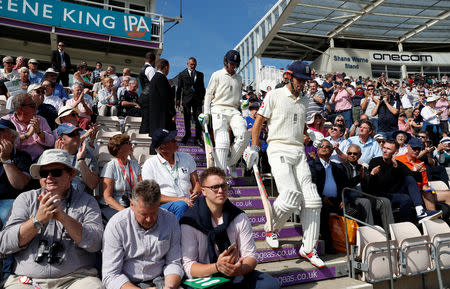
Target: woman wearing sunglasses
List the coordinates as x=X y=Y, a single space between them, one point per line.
x=34 y=131
x=119 y=176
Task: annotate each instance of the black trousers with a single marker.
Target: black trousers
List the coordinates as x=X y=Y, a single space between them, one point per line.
x=190 y=110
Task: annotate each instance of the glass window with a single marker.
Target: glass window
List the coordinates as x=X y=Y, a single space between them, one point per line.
x=137 y=7
x=414 y=68
x=444 y=69
x=430 y=69
x=393 y=68
x=378 y=67
x=394 y=74
x=117 y=4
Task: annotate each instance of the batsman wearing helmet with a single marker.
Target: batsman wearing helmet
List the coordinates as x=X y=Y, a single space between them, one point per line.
x=285 y=111
x=222 y=101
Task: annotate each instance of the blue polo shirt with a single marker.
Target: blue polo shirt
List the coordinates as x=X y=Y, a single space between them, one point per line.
x=369 y=150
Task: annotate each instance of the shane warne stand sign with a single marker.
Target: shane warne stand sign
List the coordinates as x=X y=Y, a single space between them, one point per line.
x=78 y=17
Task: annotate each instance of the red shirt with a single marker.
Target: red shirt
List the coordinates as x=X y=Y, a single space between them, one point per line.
x=410 y=165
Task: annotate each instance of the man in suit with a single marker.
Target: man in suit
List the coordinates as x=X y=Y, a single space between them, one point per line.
x=61 y=63
x=330 y=179
x=158 y=107
x=191 y=92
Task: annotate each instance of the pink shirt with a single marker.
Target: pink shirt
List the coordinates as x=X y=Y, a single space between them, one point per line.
x=194 y=244
x=33 y=145
x=404 y=127
x=80 y=107
x=343 y=100
x=442 y=105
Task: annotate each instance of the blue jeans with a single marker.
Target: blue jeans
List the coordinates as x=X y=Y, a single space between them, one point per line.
x=5 y=208
x=252 y=280
x=347 y=114
x=178 y=208
x=407 y=195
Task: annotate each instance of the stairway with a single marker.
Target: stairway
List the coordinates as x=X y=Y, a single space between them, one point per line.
x=284 y=263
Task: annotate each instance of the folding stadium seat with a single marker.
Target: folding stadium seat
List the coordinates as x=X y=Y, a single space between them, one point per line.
x=132 y=124
x=372 y=250
x=141 y=146
x=439 y=233
x=103 y=155
x=414 y=248
x=438 y=185
x=109 y=123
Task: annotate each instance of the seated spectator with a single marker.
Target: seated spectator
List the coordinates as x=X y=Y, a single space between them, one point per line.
x=210 y=227
x=357 y=174
x=369 y=147
x=405 y=124
x=310 y=149
x=107 y=99
x=380 y=139
x=175 y=172
x=316 y=123
x=98 y=86
x=50 y=97
x=330 y=179
x=83 y=105
x=402 y=138
x=339 y=119
x=7 y=72
x=14 y=164
x=59 y=91
x=34 y=132
x=35 y=76
x=443 y=152
x=142 y=236
x=83 y=160
x=128 y=102
x=354 y=129
x=95 y=75
x=20 y=62
x=419 y=172
x=111 y=70
x=81 y=77
x=124 y=80
x=47 y=111
x=119 y=176
x=387 y=109
x=392 y=179
x=54 y=231
x=339 y=143
x=23 y=78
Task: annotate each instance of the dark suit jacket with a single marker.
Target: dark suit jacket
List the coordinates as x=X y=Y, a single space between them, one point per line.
x=56 y=61
x=158 y=107
x=318 y=176
x=191 y=92
x=354 y=180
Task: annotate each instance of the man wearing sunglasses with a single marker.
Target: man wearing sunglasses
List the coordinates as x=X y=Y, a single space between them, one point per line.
x=8 y=72
x=217 y=238
x=82 y=159
x=34 y=132
x=54 y=232
x=61 y=63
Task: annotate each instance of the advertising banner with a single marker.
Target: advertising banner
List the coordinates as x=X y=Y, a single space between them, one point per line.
x=78 y=17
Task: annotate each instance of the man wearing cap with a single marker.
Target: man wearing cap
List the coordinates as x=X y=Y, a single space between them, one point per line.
x=7 y=72
x=59 y=91
x=35 y=76
x=158 y=104
x=430 y=115
x=61 y=63
x=175 y=172
x=222 y=103
x=419 y=172
x=190 y=93
x=45 y=110
x=342 y=100
x=141 y=245
x=285 y=111
x=82 y=159
x=54 y=232
x=34 y=132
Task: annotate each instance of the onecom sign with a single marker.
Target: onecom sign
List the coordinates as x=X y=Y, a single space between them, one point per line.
x=409 y=58
x=78 y=17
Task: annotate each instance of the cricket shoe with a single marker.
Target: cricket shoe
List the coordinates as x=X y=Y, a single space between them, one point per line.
x=312 y=257
x=272 y=240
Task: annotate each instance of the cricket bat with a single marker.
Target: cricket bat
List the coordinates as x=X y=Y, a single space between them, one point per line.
x=264 y=197
x=209 y=148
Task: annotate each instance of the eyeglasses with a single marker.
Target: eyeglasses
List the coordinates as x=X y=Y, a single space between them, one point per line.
x=381 y=141
x=61 y=45
x=55 y=173
x=370 y=89
x=352 y=153
x=32 y=105
x=216 y=188
x=421 y=136
x=325 y=146
x=335 y=129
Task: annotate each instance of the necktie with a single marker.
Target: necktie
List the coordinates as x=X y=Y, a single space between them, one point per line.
x=193 y=75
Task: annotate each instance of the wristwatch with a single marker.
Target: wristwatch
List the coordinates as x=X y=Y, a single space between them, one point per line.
x=36 y=223
x=10 y=161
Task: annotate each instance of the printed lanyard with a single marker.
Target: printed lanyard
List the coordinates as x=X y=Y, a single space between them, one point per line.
x=130 y=182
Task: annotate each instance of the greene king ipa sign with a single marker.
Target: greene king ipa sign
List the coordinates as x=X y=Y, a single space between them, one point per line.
x=78 y=17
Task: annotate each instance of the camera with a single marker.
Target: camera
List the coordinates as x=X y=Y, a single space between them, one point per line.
x=51 y=252
x=125 y=200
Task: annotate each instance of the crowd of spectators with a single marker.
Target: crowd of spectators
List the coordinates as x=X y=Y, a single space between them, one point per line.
x=384 y=137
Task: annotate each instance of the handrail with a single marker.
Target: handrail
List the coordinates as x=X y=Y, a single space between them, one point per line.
x=386 y=232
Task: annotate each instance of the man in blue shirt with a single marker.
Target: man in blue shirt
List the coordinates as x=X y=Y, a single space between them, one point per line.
x=35 y=76
x=369 y=147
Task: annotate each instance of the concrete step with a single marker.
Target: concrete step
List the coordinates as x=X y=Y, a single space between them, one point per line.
x=256 y=217
x=298 y=270
x=249 y=203
x=335 y=283
x=289 y=230
x=289 y=248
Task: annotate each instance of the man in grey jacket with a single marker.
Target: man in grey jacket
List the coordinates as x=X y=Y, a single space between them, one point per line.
x=54 y=231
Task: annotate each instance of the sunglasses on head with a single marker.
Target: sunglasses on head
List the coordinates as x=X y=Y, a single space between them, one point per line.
x=352 y=153
x=55 y=173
